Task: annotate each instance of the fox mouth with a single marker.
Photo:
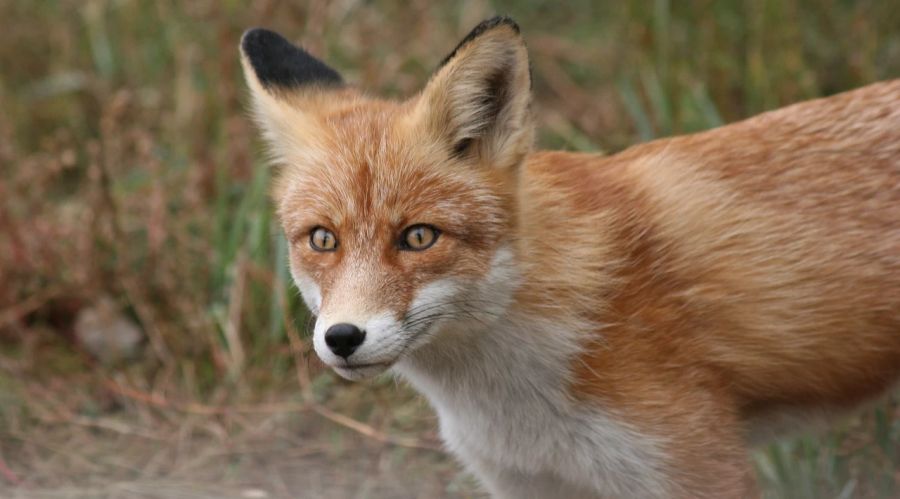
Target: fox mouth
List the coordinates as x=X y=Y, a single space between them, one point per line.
x=355 y=372
x=352 y=366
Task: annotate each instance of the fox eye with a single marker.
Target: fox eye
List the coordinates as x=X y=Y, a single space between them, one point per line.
x=418 y=237
x=322 y=239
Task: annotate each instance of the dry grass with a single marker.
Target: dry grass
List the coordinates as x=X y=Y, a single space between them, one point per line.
x=129 y=170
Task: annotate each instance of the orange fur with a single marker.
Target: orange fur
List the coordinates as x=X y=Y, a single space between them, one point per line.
x=719 y=281
x=762 y=262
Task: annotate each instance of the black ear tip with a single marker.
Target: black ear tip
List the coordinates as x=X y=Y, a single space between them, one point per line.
x=482 y=28
x=279 y=63
x=259 y=44
x=255 y=40
x=488 y=25
x=496 y=21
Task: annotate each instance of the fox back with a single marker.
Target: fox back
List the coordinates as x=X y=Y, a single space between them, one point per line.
x=588 y=325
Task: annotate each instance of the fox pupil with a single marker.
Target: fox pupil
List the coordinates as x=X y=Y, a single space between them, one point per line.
x=322 y=240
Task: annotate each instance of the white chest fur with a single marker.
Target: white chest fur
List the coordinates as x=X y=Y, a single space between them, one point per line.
x=501 y=399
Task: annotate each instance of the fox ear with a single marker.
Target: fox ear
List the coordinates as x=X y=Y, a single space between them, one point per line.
x=280 y=67
x=477 y=103
x=286 y=84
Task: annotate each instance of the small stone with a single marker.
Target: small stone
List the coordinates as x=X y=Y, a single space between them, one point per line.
x=106 y=333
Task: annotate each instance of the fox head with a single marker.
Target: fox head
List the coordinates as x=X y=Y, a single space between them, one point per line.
x=399 y=214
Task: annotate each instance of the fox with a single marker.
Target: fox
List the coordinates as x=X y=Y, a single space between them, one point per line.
x=588 y=325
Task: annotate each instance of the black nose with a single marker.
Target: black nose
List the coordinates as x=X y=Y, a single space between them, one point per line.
x=343 y=339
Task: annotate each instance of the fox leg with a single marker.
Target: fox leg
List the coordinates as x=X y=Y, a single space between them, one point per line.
x=685 y=415
x=704 y=442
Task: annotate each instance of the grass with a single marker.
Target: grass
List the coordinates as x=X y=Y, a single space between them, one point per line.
x=129 y=170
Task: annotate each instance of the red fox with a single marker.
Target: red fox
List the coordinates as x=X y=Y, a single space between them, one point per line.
x=586 y=325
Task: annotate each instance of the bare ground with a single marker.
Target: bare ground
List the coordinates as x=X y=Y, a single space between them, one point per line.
x=87 y=436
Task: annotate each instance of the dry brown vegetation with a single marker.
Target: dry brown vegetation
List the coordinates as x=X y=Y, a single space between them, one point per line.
x=130 y=171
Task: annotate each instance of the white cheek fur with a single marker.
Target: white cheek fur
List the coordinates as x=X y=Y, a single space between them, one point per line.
x=310 y=291
x=433 y=294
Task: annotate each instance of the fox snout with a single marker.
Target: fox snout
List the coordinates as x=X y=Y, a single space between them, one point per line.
x=354 y=343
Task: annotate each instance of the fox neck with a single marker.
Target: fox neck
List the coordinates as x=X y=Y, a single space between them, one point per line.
x=508 y=378
x=513 y=356
x=500 y=358
x=501 y=392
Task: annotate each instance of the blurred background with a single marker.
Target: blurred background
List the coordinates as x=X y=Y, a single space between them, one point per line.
x=151 y=344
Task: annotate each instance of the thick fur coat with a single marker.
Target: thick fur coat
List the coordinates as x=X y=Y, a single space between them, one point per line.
x=590 y=326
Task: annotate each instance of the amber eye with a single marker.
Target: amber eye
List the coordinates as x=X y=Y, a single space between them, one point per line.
x=418 y=237
x=322 y=239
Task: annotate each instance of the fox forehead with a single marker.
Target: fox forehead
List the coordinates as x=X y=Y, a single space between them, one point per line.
x=372 y=170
